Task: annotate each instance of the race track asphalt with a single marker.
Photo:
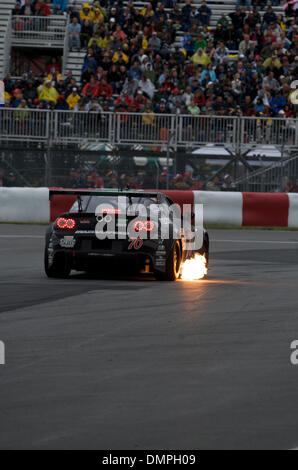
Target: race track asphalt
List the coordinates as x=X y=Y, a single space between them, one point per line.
x=138 y=364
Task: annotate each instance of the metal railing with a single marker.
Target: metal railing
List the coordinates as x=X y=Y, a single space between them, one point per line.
x=7 y=47
x=71 y=127
x=38 y=30
x=274 y=178
x=269 y=131
x=23 y=124
x=65 y=47
x=145 y=128
x=197 y=130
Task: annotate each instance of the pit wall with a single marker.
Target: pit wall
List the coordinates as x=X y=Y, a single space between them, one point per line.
x=32 y=205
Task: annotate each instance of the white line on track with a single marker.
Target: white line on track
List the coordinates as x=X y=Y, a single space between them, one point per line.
x=213 y=241
x=21 y=236
x=255 y=241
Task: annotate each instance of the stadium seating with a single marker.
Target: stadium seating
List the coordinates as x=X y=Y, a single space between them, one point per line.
x=5 y=8
x=75 y=59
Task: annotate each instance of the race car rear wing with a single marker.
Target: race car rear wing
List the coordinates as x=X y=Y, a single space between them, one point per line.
x=103 y=192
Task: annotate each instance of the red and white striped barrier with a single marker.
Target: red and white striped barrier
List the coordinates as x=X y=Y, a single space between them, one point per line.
x=249 y=209
x=220 y=208
x=26 y=205
x=293 y=210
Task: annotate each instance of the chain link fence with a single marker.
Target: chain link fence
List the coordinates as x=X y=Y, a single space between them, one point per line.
x=42 y=146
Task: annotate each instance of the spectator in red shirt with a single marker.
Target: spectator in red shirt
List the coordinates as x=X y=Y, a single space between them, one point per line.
x=93 y=86
x=105 y=89
x=97 y=180
x=119 y=33
x=140 y=101
x=290 y=187
x=199 y=98
x=41 y=8
x=124 y=100
x=248 y=107
x=53 y=67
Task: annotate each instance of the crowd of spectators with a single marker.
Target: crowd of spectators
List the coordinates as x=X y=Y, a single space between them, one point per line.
x=40 y=7
x=132 y=180
x=134 y=64
x=81 y=178
x=138 y=179
x=8 y=179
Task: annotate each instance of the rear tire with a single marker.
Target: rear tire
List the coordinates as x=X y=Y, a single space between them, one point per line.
x=60 y=268
x=173 y=265
x=205 y=249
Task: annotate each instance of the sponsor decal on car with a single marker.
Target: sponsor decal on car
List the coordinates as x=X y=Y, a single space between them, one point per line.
x=84 y=232
x=161 y=252
x=67 y=242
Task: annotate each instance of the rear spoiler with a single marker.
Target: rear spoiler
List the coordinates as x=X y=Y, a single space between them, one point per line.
x=103 y=192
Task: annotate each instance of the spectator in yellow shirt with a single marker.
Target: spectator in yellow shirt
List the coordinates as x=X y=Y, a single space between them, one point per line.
x=47 y=92
x=96 y=15
x=272 y=62
x=86 y=13
x=147 y=11
x=201 y=58
x=142 y=41
x=104 y=41
x=102 y=10
x=7 y=96
x=148 y=116
x=73 y=98
x=118 y=56
x=95 y=37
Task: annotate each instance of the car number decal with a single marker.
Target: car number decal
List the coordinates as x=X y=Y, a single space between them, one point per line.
x=135 y=243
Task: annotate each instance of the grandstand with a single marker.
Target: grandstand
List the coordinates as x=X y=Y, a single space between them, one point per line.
x=231 y=119
x=6 y=7
x=74 y=60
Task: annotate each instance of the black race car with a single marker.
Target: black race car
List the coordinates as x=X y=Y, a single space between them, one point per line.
x=97 y=235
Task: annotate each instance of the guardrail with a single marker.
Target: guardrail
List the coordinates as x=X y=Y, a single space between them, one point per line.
x=275 y=131
x=75 y=127
x=198 y=130
x=143 y=128
x=70 y=127
x=65 y=47
x=39 y=31
x=23 y=124
x=7 y=39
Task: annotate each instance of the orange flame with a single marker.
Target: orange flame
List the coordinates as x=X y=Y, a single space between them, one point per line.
x=195 y=268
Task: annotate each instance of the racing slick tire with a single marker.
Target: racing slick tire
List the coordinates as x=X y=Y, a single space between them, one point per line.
x=173 y=265
x=205 y=251
x=60 y=268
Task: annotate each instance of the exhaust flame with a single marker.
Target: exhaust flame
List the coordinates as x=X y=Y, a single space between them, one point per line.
x=195 y=268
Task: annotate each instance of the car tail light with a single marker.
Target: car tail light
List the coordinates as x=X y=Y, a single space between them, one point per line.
x=63 y=223
x=148 y=226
